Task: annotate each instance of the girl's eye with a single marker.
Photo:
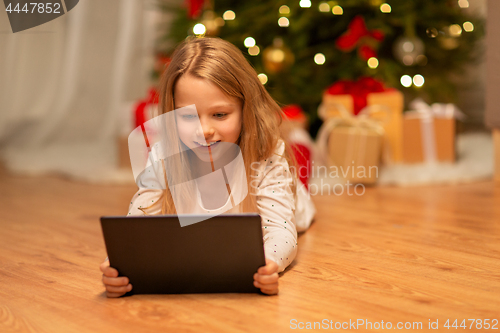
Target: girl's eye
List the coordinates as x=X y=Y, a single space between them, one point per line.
x=189 y=116
x=220 y=115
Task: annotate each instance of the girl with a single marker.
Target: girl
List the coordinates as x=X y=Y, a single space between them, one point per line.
x=232 y=107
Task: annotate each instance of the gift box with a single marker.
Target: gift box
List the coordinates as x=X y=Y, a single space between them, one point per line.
x=429 y=132
x=352 y=145
x=367 y=92
x=355 y=151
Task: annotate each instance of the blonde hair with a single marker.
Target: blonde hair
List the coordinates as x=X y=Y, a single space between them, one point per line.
x=223 y=64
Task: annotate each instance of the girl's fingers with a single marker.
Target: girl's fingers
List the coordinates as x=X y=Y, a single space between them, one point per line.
x=269 y=291
x=272 y=286
x=122 y=289
x=113 y=281
x=266 y=279
x=110 y=295
x=270 y=268
x=103 y=266
x=109 y=271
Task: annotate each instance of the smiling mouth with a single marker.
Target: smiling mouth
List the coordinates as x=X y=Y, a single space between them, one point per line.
x=206 y=145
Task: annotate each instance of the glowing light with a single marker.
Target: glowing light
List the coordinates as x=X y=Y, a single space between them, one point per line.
x=468 y=26
x=408 y=47
x=229 y=15
x=418 y=80
x=283 y=22
x=372 y=62
x=421 y=60
x=324 y=7
x=337 y=10
x=249 y=42
x=319 y=58
x=455 y=30
x=254 y=50
x=406 y=81
x=385 y=8
x=284 y=9
x=408 y=60
x=199 y=29
x=463 y=3
x=305 y=3
x=220 y=21
x=263 y=78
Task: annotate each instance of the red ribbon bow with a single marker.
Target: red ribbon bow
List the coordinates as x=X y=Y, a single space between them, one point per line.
x=359 y=90
x=194 y=8
x=140 y=107
x=294 y=112
x=357 y=33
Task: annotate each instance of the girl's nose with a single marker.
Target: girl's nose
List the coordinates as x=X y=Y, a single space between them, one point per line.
x=206 y=130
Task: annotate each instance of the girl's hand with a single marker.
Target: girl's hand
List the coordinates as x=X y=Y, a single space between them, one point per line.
x=115 y=286
x=266 y=278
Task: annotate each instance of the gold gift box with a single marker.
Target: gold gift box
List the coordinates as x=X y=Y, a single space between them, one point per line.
x=413 y=138
x=393 y=100
x=355 y=152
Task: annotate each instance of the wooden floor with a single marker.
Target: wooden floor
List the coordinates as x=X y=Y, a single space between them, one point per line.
x=391 y=255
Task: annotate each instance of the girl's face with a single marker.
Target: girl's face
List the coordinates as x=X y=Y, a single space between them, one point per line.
x=218 y=120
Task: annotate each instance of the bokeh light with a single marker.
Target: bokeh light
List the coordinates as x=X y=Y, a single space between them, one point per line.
x=406 y=81
x=337 y=10
x=385 y=8
x=249 y=42
x=283 y=22
x=229 y=15
x=263 y=78
x=199 y=29
x=372 y=62
x=418 y=80
x=319 y=58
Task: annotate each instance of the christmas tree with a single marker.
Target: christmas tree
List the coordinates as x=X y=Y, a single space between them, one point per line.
x=302 y=47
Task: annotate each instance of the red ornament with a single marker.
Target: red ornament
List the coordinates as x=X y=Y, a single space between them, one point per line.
x=194 y=8
x=358 y=35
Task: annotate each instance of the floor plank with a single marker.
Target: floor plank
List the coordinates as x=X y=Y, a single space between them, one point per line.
x=391 y=254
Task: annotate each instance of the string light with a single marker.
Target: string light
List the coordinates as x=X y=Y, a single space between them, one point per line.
x=199 y=29
x=372 y=62
x=468 y=26
x=406 y=81
x=463 y=3
x=385 y=8
x=229 y=15
x=455 y=30
x=319 y=58
x=220 y=21
x=418 y=80
x=421 y=60
x=249 y=42
x=284 y=9
x=283 y=22
x=337 y=10
x=263 y=78
x=254 y=50
x=324 y=7
x=305 y=3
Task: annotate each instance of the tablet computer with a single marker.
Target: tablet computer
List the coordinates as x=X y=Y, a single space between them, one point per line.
x=218 y=255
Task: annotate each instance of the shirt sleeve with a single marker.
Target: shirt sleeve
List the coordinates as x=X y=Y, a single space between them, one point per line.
x=276 y=205
x=150 y=192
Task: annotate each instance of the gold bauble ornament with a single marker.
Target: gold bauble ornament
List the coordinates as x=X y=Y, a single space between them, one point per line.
x=277 y=57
